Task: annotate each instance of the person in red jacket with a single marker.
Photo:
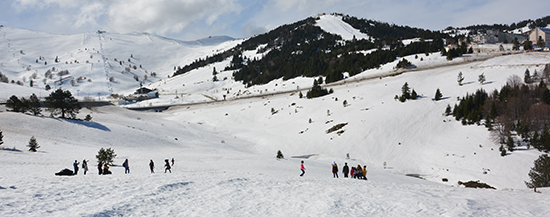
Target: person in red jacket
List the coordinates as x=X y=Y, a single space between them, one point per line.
x=302 y=168
x=334 y=170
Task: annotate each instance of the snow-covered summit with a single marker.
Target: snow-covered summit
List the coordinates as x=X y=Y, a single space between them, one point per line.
x=334 y=24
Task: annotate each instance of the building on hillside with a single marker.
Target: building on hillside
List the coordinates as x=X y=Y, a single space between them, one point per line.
x=509 y=37
x=485 y=39
x=537 y=33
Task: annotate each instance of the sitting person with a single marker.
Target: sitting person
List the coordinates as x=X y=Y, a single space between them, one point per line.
x=106 y=170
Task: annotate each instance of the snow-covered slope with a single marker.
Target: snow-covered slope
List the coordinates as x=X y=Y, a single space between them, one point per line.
x=334 y=24
x=225 y=151
x=216 y=173
x=99 y=63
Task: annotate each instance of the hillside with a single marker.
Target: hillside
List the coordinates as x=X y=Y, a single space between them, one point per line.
x=224 y=134
x=95 y=64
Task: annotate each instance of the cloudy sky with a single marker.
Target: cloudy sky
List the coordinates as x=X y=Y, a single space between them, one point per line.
x=195 y=19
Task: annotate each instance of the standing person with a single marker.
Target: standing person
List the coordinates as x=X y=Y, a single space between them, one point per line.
x=172 y=161
x=75 y=165
x=352 y=174
x=152 y=166
x=334 y=170
x=365 y=172
x=167 y=166
x=85 y=166
x=302 y=168
x=100 y=168
x=126 y=167
x=345 y=170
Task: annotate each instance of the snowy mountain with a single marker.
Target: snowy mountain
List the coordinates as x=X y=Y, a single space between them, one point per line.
x=98 y=63
x=225 y=150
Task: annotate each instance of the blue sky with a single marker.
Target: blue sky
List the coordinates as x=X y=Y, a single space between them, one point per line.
x=195 y=19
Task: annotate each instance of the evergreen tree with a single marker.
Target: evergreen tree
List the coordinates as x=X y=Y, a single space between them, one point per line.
x=516 y=44
x=528 y=45
x=280 y=155
x=502 y=151
x=406 y=91
x=481 y=78
x=105 y=156
x=414 y=95
x=1 y=137
x=510 y=144
x=33 y=145
x=540 y=173
x=527 y=77
x=63 y=102
x=438 y=95
x=34 y=105
x=460 y=78
x=448 y=110
x=14 y=104
x=540 y=42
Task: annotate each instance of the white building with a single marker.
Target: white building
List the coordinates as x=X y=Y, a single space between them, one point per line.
x=537 y=33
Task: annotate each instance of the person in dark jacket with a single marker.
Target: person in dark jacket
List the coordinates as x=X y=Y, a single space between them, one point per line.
x=85 y=166
x=152 y=166
x=100 y=168
x=75 y=165
x=167 y=166
x=345 y=170
x=334 y=170
x=126 y=167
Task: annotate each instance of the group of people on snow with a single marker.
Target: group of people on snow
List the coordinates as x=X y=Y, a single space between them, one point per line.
x=103 y=168
x=356 y=172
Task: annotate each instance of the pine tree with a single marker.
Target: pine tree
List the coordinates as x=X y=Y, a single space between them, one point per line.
x=460 y=78
x=33 y=145
x=34 y=105
x=414 y=95
x=448 y=110
x=502 y=151
x=510 y=144
x=527 y=77
x=63 y=102
x=540 y=42
x=516 y=44
x=280 y=155
x=14 y=104
x=405 y=90
x=105 y=156
x=1 y=138
x=540 y=173
x=481 y=78
x=438 y=95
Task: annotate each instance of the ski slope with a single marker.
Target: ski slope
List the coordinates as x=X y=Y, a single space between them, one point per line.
x=225 y=150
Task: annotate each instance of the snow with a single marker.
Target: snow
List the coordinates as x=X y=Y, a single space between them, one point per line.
x=225 y=151
x=334 y=24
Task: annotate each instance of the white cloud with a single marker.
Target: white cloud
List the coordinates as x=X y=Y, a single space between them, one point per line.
x=165 y=16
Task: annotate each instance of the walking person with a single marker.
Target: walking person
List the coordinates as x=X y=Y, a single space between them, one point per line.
x=167 y=166
x=75 y=165
x=85 y=166
x=152 y=166
x=302 y=168
x=100 y=168
x=126 y=167
x=172 y=161
x=334 y=170
x=365 y=172
x=345 y=170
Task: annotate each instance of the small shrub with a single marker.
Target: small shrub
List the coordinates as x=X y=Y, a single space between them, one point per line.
x=280 y=155
x=475 y=184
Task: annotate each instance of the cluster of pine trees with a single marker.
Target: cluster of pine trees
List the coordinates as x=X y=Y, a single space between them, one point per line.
x=520 y=107
x=303 y=49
